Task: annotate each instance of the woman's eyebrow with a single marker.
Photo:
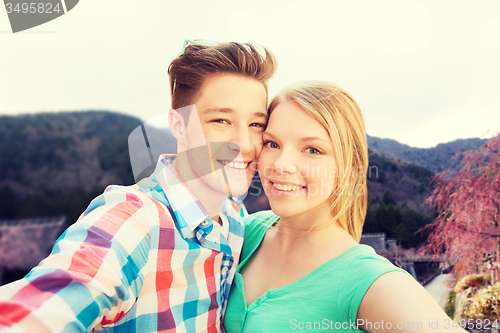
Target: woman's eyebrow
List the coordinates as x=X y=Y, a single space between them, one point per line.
x=270 y=134
x=313 y=138
x=306 y=138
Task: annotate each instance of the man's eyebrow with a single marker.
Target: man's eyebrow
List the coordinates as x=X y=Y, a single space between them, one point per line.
x=218 y=110
x=229 y=111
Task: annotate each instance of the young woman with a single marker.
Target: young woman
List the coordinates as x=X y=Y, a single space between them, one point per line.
x=302 y=266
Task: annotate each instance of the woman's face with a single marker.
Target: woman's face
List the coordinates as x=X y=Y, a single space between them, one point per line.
x=297 y=166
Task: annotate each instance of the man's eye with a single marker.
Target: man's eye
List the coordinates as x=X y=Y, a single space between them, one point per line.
x=220 y=121
x=312 y=150
x=270 y=144
x=261 y=125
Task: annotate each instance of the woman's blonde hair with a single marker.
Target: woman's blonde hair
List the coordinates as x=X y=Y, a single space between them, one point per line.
x=341 y=116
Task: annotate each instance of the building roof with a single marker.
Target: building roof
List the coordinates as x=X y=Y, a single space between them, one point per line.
x=25 y=242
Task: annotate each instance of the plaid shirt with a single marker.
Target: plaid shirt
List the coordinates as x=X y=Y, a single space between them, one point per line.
x=127 y=266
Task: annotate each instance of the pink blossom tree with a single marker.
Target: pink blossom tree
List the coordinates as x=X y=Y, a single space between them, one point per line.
x=467 y=229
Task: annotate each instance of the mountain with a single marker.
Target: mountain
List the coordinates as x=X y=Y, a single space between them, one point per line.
x=405 y=182
x=436 y=159
x=74 y=150
x=65 y=151
x=55 y=163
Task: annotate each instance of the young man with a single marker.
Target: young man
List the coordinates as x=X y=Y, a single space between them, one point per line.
x=160 y=256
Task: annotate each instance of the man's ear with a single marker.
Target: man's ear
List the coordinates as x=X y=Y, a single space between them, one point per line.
x=177 y=125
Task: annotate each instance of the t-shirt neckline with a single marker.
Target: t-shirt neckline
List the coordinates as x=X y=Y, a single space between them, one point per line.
x=295 y=284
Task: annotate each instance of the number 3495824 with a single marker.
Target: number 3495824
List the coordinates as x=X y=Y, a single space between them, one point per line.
x=33 y=8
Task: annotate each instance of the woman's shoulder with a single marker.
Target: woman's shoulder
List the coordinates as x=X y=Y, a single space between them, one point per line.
x=363 y=268
x=364 y=257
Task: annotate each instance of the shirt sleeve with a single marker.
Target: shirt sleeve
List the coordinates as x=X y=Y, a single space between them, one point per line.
x=362 y=272
x=93 y=275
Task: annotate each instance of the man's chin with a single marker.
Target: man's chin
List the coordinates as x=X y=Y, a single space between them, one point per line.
x=238 y=190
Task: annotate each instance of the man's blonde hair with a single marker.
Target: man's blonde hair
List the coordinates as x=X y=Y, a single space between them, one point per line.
x=341 y=116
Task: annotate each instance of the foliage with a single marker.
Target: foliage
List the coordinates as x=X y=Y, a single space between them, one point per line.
x=9 y=203
x=483 y=303
x=407 y=183
x=450 y=305
x=64 y=151
x=113 y=130
x=473 y=281
x=398 y=222
x=69 y=204
x=474 y=299
x=467 y=228
x=422 y=174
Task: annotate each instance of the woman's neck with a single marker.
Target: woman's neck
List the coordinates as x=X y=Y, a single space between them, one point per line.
x=313 y=227
x=315 y=219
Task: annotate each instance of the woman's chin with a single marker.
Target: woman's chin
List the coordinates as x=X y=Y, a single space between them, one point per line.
x=283 y=210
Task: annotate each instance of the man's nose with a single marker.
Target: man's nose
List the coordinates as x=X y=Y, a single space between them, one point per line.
x=243 y=141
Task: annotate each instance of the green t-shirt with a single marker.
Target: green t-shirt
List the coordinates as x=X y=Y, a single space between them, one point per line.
x=326 y=299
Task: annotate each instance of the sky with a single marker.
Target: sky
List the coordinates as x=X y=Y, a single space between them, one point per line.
x=423 y=72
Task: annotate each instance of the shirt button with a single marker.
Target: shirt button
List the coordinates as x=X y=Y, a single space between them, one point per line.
x=224 y=270
x=204 y=223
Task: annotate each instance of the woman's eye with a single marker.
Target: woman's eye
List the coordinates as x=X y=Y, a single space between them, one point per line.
x=312 y=150
x=270 y=144
x=258 y=125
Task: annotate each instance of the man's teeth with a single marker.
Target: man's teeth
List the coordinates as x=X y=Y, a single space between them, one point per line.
x=284 y=187
x=235 y=165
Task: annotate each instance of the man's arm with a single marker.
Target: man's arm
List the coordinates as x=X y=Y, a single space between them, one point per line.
x=93 y=275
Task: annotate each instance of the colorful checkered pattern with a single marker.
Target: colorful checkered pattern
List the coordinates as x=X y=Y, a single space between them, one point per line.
x=127 y=266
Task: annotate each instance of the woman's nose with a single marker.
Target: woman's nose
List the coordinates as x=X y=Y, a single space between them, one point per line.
x=285 y=163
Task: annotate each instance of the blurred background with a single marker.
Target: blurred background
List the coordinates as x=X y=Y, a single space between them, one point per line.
x=425 y=73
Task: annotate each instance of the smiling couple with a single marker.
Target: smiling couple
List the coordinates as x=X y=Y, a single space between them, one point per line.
x=168 y=254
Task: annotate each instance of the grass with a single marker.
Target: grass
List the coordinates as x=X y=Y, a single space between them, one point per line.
x=450 y=305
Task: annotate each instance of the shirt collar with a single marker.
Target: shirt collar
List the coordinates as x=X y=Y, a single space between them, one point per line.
x=168 y=187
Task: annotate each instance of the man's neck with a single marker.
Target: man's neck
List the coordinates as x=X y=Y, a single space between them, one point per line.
x=212 y=200
x=217 y=219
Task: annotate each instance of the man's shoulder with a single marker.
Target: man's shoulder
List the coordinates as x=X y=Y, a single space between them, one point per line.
x=124 y=202
x=115 y=195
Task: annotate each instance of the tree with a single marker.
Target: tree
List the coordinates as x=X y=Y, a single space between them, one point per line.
x=467 y=229
x=17 y=248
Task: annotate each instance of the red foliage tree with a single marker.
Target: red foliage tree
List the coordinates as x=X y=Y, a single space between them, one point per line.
x=467 y=229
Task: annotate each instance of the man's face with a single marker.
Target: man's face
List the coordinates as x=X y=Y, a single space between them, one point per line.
x=231 y=110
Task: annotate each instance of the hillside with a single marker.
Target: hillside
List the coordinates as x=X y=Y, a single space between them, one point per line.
x=436 y=159
x=406 y=182
x=56 y=163
x=65 y=151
